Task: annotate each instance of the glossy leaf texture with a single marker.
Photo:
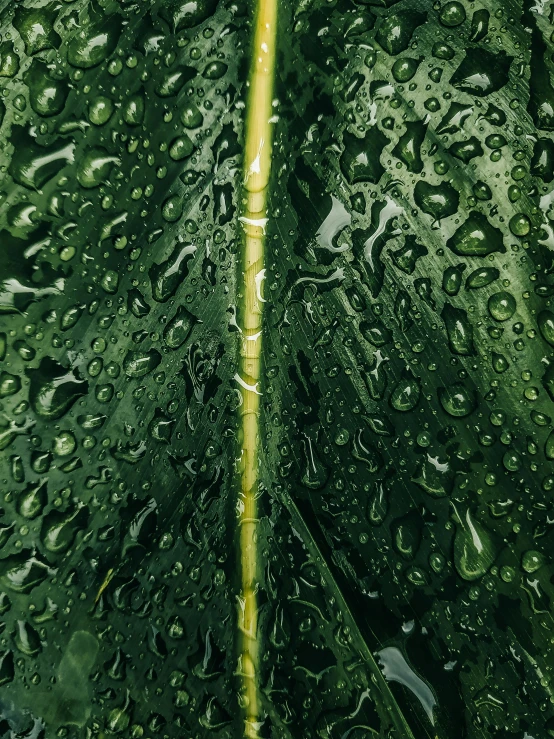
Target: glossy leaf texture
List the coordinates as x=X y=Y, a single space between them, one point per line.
x=407 y=441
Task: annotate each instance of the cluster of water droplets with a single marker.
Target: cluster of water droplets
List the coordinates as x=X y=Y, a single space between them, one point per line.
x=120 y=159
x=409 y=359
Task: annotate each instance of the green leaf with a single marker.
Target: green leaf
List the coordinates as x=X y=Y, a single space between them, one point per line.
x=340 y=526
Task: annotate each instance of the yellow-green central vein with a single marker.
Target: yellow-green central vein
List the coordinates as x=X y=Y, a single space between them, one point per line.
x=257 y=167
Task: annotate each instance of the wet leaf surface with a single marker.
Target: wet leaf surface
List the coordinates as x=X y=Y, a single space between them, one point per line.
x=406 y=443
